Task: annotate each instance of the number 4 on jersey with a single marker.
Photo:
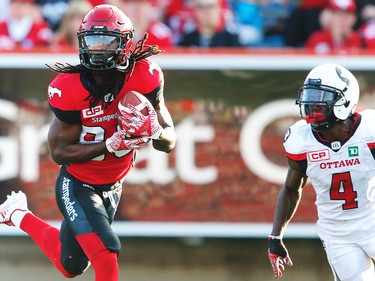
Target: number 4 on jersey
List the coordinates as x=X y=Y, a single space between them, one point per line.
x=342 y=189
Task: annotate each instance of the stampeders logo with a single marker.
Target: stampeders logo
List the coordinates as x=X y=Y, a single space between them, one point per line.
x=69 y=205
x=52 y=91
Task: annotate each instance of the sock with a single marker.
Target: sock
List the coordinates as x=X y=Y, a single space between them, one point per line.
x=102 y=260
x=106 y=267
x=46 y=237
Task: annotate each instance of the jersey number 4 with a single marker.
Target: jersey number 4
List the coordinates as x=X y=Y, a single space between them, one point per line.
x=342 y=189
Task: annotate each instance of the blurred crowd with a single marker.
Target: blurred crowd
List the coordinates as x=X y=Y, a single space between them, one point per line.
x=322 y=26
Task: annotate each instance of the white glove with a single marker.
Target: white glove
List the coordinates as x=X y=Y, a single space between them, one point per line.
x=118 y=142
x=138 y=124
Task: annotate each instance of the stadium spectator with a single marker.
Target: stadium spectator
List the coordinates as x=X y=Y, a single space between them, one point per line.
x=66 y=35
x=366 y=22
x=365 y=10
x=53 y=11
x=213 y=26
x=334 y=148
x=177 y=14
x=145 y=17
x=4 y=9
x=249 y=20
x=338 y=34
x=302 y=22
x=275 y=14
x=94 y=151
x=24 y=27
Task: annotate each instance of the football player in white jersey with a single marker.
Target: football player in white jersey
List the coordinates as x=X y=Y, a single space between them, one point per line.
x=333 y=147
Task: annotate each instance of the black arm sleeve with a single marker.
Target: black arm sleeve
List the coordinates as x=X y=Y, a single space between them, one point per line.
x=155 y=96
x=69 y=117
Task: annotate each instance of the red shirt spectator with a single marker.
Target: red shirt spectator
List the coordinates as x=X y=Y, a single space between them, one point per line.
x=367 y=31
x=145 y=18
x=338 y=34
x=366 y=23
x=159 y=34
x=24 y=27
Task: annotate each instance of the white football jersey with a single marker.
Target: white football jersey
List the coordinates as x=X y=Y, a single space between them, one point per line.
x=343 y=176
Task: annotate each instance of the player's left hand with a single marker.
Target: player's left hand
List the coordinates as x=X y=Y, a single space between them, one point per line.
x=118 y=141
x=278 y=256
x=138 y=124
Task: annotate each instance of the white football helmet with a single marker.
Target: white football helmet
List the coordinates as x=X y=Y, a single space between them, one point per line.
x=329 y=94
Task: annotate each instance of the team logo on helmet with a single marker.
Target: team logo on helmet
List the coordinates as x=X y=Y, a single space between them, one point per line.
x=342 y=76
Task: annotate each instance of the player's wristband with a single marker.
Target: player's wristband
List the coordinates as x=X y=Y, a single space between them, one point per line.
x=271 y=237
x=108 y=145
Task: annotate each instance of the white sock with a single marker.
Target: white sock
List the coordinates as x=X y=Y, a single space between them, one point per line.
x=18 y=216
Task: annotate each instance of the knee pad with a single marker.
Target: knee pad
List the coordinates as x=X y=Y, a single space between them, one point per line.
x=75 y=266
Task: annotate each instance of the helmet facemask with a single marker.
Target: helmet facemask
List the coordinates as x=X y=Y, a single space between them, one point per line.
x=103 y=51
x=317 y=102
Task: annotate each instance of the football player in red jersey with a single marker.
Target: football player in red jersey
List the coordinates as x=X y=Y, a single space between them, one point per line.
x=86 y=140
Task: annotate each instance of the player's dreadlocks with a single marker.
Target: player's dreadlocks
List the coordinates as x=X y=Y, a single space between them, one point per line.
x=140 y=52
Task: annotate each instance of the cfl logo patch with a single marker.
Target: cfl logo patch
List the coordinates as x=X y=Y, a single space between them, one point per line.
x=91 y=112
x=316 y=156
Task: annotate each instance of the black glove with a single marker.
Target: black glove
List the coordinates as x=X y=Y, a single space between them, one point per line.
x=278 y=255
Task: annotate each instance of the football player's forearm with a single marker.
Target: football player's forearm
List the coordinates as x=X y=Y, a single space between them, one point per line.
x=286 y=207
x=76 y=153
x=166 y=141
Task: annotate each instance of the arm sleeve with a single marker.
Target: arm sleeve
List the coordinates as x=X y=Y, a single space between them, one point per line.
x=69 y=117
x=155 y=95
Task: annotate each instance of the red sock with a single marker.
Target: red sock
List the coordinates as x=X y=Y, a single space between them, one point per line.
x=102 y=260
x=47 y=238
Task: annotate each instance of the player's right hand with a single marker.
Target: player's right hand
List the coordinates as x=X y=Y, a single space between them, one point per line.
x=118 y=142
x=278 y=255
x=138 y=124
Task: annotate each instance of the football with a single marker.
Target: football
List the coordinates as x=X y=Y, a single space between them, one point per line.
x=135 y=99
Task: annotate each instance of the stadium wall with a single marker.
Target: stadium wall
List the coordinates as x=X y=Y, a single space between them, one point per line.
x=205 y=216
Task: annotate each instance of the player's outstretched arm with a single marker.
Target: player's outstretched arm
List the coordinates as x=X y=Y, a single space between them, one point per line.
x=286 y=206
x=166 y=140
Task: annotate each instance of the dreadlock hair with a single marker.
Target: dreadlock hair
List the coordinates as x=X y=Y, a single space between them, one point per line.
x=140 y=52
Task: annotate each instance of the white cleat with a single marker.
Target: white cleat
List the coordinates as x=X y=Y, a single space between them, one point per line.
x=16 y=201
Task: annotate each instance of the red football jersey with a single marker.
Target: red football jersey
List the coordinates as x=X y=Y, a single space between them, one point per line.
x=67 y=97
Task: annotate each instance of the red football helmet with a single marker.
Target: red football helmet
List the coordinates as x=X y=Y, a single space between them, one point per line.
x=105 y=38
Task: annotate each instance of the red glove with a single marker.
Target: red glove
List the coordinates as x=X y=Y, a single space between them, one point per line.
x=118 y=142
x=138 y=124
x=278 y=255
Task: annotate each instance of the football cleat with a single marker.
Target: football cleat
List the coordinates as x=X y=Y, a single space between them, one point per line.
x=16 y=201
